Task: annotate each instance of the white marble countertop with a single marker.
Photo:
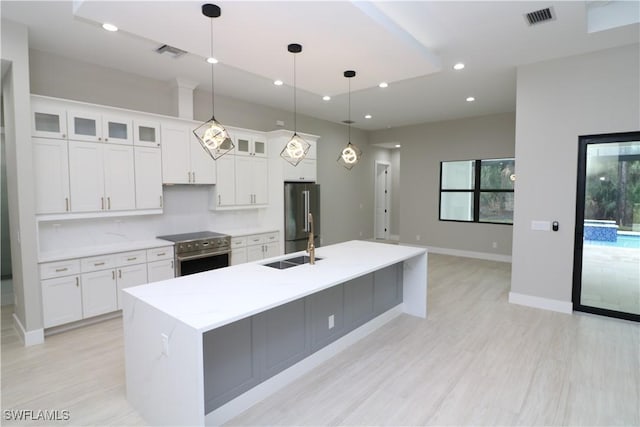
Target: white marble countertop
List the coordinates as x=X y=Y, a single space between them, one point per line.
x=246 y=231
x=208 y=300
x=113 y=248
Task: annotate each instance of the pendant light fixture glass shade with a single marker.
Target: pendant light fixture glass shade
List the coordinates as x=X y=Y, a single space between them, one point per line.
x=212 y=135
x=297 y=148
x=351 y=154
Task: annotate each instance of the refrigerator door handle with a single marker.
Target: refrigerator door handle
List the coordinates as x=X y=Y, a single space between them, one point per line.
x=305 y=195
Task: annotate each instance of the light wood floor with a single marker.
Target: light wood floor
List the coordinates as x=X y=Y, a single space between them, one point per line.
x=477 y=360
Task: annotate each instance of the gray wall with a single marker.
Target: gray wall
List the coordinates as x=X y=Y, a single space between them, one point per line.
x=424 y=146
x=558 y=101
x=5 y=247
x=347 y=196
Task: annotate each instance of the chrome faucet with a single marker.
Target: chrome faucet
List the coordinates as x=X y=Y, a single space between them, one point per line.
x=311 y=249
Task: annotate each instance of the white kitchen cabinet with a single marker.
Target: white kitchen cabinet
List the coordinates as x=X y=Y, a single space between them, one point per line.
x=255 y=253
x=238 y=256
x=148 y=177
x=61 y=300
x=146 y=133
x=184 y=159
x=130 y=275
x=117 y=130
x=254 y=247
x=252 y=177
x=249 y=144
x=48 y=120
x=51 y=165
x=101 y=177
x=306 y=170
x=98 y=292
x=160 y=270
x=84 y=125
x=225 y=189
x=271 y=250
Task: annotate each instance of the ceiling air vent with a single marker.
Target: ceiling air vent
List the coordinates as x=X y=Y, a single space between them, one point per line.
x=173 y=52
x=539 y=16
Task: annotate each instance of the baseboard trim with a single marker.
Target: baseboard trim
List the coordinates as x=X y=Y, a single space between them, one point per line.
x=246 y=400
x=29 y=338
x=542 y=303
x=469 y=254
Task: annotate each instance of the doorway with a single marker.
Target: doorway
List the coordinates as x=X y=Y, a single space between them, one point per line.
x=606 y=276
x=382 y=200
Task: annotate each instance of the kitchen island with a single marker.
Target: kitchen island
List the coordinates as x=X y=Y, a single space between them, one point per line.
x=200 y=349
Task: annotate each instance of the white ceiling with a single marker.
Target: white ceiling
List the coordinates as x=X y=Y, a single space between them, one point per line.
x=411 y=45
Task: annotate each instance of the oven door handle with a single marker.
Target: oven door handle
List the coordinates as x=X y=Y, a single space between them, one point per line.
x=206 y=255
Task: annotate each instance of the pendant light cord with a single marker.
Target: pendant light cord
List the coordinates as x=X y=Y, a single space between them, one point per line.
x=295 y=107
x=212 y=65
x=349 y=109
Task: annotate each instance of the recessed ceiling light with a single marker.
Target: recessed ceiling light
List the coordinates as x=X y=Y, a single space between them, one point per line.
x=367 y=116
x=326 y=98
x=470 y=99
x=459 y=66
x=278 y=82
x=398 y=145
x=212 y=60
x=383 y=85
x=109 y=27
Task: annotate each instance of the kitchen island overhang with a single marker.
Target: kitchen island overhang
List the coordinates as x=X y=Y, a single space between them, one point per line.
x=174 y=329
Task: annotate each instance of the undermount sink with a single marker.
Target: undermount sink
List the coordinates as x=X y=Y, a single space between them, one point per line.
x=291 y=262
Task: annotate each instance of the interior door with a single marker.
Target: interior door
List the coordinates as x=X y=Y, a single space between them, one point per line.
x=606 y=278
x=382 y=201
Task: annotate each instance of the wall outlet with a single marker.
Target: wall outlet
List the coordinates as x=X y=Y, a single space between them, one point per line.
x=417 y=237
x=361 y=234
x=495 y=245
x=332 y=322
x=164 y=338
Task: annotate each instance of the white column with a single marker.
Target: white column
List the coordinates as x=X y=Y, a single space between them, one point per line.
x=182 y=97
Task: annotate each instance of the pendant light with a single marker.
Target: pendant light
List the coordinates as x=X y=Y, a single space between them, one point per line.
x=350 y=155
x=212 y=135
x=297 y=148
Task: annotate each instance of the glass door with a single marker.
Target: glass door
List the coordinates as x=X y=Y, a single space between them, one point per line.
x=606 y=277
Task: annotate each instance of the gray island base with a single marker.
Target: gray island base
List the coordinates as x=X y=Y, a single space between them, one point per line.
x=201 y=349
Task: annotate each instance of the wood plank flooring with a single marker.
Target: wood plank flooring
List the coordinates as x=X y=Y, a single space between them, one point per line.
x=477 y=360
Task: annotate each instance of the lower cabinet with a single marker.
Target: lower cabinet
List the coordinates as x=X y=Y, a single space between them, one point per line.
x=254 y=247
x=245 y=353
x=81 y=288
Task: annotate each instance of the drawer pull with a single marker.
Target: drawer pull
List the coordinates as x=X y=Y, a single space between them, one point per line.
x=161 y=254
x=77 y=282
x=66 y=203
x=59 y=270
x=132 y=258
x=98 y=264
x=113 y=275
x=120 y=274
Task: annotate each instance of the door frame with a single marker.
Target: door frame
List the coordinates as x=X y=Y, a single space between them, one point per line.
x=387 y=166
x=583 y=142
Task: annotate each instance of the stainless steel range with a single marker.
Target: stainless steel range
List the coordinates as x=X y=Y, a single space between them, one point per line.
x=201 y=251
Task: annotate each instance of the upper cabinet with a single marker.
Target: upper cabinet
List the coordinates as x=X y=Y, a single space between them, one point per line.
x=248 y=144
x=185 y=161
x=48 y=120
x=84 y=159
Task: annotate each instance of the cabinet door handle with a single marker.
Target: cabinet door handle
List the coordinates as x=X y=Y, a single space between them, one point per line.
x=59 y=270
x=113 y=275
x=162 y=254
x=109 y=203
x=132 y=258
x=160 y=201
x=189 y=174
x=120 y=274
x=66 y=203
x=77 y=282
x=172 y=264
x=219 y=200
x=102 y=203
x=97 y=264
x=194 y=177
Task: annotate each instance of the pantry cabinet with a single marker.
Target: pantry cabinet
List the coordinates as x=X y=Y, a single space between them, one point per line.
x=101 y=177
x=185 y=161
x=51 y=165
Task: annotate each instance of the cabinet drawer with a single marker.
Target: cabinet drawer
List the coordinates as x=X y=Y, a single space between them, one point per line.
x=97 y=263
x=59 y=268
x=165 y=252
x=130 y=258
x=271 y=237
x=238 y=242
x=256 y=239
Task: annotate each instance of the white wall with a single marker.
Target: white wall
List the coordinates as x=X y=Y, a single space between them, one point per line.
x=424 y=146
x=558 y=101
x=17 y=114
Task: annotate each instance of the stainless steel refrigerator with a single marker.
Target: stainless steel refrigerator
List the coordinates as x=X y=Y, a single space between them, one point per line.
x=300 y=199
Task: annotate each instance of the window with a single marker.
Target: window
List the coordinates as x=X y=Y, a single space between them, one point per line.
x=477 y=191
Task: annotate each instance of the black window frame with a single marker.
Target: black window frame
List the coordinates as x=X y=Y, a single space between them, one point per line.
x=476 y=191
